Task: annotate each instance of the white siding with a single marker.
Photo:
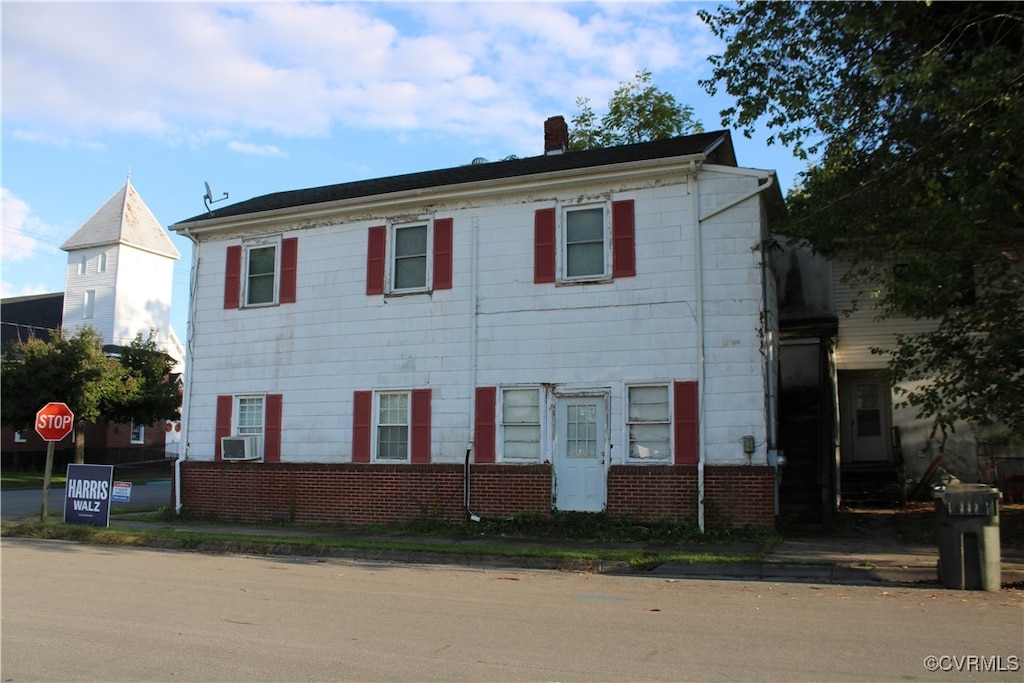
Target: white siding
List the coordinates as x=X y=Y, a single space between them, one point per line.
x=335 y=339
x=860 y=331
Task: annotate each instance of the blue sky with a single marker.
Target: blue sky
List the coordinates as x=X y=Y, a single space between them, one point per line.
x=264 y=97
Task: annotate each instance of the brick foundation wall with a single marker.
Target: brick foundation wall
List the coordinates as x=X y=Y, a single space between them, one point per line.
x=734 y=496
x=373 y=494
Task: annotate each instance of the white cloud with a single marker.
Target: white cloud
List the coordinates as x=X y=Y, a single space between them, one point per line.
x=8 y=289
x=194 y=71
x=257 y=150
x=22 y=230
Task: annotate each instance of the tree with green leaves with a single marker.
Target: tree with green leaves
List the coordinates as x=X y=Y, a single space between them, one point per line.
x=909 y=114
x=97 y=387
x=637 y=112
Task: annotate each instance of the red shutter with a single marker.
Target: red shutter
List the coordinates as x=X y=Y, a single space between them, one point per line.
x=623 y=239
x=289 y=269
x=362 y=425
x=544 y=246
x=222 y=425
x=687 y=414
x=484 y=437
x=375 y=260
x=421 y=425
x=443 y=253
x=233 y=277
x=272 y=429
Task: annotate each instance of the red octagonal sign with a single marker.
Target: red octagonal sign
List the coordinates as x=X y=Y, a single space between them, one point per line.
x=54 y=421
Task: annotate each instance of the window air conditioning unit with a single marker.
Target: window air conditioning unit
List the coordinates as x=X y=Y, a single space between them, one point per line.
x=240 y=448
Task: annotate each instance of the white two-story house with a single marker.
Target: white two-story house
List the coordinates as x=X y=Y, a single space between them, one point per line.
x=576 y=331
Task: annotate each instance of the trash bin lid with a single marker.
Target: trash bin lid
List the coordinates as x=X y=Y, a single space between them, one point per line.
x=975 y=500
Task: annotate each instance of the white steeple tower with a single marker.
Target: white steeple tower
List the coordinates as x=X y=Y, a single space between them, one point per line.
x=120 y=273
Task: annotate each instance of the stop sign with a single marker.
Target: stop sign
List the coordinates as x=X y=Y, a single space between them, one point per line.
x=54 y=421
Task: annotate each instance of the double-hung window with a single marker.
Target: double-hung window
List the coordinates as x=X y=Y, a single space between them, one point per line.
x=410 y=258
x=392 y=441
x=260 y=270
x=249 y=416
x=520 y=424
x=410 y=268
x=584 y=243
x=649 y=423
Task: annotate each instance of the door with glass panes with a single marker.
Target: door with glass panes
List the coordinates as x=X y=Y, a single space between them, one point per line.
x=581 y=442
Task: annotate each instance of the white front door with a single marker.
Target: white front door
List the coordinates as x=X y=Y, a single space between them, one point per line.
x=864 y=408
x=582 y=447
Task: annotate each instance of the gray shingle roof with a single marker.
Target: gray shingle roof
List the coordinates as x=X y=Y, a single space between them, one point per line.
x=24 y=317
x=124 y=219
x=716 y=145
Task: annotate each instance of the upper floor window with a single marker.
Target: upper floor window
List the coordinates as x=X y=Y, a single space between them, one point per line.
x=410 y=268
x=585 y=243
x=261 y=273
x=261 y=267
x=19 y=436
x=408 y=258
x=101 y=263
x=82 y=263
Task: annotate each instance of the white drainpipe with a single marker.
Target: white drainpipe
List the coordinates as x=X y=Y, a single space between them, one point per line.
x=470 y=447
x=699 y=285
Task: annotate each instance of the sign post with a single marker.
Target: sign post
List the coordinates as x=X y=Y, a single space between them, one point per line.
x=54 y=421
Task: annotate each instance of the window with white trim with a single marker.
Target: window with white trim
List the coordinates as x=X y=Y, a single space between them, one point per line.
x=520 y=424
x=138 y=433
x=410 y=267
x=649 y=422
x=585 y=242
x=392 y=426
x=101 y=263
x=82 y=263
x=249 y=416
x=19 y=436
x=261 y=268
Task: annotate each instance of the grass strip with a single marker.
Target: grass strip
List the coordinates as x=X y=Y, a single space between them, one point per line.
x=323 y=545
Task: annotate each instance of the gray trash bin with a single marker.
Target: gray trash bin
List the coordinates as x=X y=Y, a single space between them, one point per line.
x=967 y=521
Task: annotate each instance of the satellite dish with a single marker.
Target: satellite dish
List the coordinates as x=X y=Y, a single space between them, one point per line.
x=208 y=197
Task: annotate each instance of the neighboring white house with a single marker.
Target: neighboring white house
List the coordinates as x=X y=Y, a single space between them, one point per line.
x=844 y=432
x=576 y=331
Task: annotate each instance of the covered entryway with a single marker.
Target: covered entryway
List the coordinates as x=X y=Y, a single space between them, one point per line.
x=581 y=449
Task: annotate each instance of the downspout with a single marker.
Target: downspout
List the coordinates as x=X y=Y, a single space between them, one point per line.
x=475 y=225
x=699 y=285
x=187 y=397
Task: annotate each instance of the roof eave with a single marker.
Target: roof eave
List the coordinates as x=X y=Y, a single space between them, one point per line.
x=555 y=180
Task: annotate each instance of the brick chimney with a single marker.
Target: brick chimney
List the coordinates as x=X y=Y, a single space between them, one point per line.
x=556 y=135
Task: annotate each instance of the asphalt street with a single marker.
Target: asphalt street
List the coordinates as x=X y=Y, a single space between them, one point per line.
x=78 y=612
x=18 y=503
